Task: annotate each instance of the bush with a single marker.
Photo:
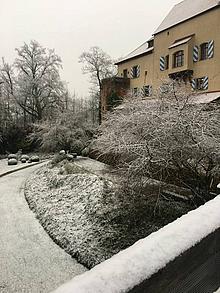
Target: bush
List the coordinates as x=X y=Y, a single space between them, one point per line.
x=15 y=137
x=57 y=159
x=12 y=156
x=67 y=133
x=26 y=157
x=167 y=138
x=34 y=159
x=12 y=162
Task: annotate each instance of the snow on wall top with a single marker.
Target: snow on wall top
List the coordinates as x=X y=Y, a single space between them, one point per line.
x=205 y=98
x=181 y=42
x=142 y=49
x=186 y=10
x=147 y=256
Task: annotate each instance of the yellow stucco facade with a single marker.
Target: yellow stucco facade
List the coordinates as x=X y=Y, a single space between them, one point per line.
x=189 y=50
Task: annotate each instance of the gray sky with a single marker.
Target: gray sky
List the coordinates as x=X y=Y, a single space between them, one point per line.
x=71 y=27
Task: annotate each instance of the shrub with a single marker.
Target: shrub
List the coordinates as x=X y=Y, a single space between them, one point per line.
x=168 y=138
x=15 y=137
x=35 y=159
x=12 y=156
x=12 y=162
x=26 y=157
x=57 y=159
x=67 y=133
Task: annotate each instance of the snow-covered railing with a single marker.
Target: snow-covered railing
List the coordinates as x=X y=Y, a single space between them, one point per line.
x=179 y=257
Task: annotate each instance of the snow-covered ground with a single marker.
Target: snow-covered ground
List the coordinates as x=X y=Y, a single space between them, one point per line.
x=146 y=257
x=29 y=260
x=66 y=206
x=86 y=216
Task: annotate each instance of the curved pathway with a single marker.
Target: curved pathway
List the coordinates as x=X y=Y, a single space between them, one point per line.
x=29 y=260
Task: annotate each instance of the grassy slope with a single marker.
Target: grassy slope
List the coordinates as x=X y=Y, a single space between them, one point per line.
x=83 y=214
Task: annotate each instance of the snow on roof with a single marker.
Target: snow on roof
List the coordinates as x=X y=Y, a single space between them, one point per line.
x=205 y=98
x=180 y=42
x=142 y=49
x=186 y=10
x=147 y=256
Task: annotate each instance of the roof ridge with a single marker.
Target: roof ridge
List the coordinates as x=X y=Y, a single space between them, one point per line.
x=180 y=12
x=136 y=48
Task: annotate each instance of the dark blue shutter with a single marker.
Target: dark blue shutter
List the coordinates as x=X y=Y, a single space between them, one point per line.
x=131 y=73
x=210 y=49
x=195 y=53
x=205 y=83
x=194 y=84
x=162 y=63
x=138 y=71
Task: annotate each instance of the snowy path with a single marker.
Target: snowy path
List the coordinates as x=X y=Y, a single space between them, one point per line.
x=97 y=168
x=91 y=165
x=29 y=260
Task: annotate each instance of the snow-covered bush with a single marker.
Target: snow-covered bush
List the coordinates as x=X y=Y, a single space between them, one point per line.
x=35 y=159
x=26 y=157
x=12 y=161
x=66 y=132
x=168 y=138
x=57 y=159
x=12 y=156
x=62 y=152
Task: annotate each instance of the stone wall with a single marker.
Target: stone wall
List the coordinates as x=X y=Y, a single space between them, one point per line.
x=117 y=86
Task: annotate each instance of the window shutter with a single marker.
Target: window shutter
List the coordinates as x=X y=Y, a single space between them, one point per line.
x=211 y=49
x=131 y=73
x=195 y=53
x=142 y=92
x=138 y=70
x=194 y=84
x=205 y=83
x=150 y=90
x=162 y=63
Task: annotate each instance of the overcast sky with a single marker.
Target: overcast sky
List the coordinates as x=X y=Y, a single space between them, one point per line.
x=71 y=27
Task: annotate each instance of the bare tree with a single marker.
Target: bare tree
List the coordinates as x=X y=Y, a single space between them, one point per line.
x=98 y=65
x=34 y=81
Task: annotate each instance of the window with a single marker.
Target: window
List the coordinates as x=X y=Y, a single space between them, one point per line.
x=201 y=83
x=150 y=43
x=204 y=51
x=165 y=88
x=178 y=59
x=125 y=73
x=147 y=91
x=136 y=71
x=167 y=62
x=135 y=91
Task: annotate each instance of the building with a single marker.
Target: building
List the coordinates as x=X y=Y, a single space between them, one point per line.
x=185 y=46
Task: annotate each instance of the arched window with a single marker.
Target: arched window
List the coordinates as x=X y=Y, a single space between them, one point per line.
x=178 y=59
x=204 y=51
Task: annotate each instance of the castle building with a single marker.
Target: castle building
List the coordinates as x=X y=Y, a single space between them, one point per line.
x=185 y=46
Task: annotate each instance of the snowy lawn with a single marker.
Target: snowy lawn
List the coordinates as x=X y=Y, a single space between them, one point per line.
x=84 y=215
